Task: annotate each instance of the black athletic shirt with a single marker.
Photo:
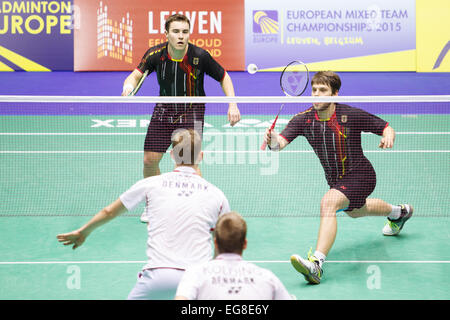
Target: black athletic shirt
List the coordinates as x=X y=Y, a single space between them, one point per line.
x=181 y=77
x=336 y=141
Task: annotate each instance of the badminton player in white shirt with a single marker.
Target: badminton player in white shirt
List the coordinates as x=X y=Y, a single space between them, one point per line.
x=182 y=210
x=228 y=276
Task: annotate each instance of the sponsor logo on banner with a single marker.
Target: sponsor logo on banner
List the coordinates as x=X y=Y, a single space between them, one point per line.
x=441 y=56
x=354 y=35
x=115 y=34
x=265 y=21
x=36 y=35
x=265 y=26
x=205 y=25
x=115 y=38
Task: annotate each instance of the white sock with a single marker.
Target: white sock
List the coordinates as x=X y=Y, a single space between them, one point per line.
x=395 y=213
x=319 y=255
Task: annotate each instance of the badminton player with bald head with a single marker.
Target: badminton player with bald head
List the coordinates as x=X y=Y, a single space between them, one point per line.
x=334 y=132
x=228 y=276
x=180 y=67
x=182 y=208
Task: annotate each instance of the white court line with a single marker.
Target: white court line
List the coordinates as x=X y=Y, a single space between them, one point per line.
x=223 y=99
x=227 y=133
x=252 y=261
x=205 y=151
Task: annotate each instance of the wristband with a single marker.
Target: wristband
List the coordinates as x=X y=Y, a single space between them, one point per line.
x=127 y=86
x=275 y=147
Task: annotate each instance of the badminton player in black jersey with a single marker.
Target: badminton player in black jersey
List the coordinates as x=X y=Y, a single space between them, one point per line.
x=334 y=132
x=180 y=68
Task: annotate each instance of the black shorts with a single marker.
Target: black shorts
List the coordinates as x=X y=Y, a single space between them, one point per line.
x=168 y=118
x=357 y=185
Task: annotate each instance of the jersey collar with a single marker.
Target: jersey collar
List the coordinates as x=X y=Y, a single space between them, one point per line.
x=185 y=169
x=180 y=60
x=229 y=256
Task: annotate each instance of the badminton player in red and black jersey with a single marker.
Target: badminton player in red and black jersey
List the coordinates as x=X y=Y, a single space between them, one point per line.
x=334 y=132
x=180 y=68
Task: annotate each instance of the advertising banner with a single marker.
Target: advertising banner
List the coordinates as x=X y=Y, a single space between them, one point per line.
x=115 y=34
x=355 y=35
x=433 y=35
x=36 y=35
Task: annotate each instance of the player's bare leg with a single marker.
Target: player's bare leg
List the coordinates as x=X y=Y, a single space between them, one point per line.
x=151 y=163
x=332 y=201
x=311 y=268
x=396 y=215
x=373 y=207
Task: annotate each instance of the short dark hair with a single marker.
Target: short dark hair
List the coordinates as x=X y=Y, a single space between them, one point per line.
x=186 y=146
x=328 y=78
x=230 y=233
x=176 y=17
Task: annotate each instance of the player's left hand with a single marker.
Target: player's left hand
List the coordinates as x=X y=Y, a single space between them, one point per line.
x=386 y=143
x=75 y=237
x=234 y=116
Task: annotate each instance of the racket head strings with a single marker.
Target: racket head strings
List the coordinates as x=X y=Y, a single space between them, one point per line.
x=294 y=79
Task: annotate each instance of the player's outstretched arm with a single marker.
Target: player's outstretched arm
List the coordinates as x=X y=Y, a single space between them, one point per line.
x=131 y=81
x=234 y=115
x=274 y=140
x=77 y=237
x=387 y=141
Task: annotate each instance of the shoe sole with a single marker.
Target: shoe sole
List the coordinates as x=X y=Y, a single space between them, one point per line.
x=304 y=271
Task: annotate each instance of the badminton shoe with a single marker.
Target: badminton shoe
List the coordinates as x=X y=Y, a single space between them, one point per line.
x=393 y=227
x=309 y=268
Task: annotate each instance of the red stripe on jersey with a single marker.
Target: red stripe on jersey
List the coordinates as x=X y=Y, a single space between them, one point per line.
x=185 y=172
x=190 y=79
x=166 y=268
x=284 y=138
x=339 y=139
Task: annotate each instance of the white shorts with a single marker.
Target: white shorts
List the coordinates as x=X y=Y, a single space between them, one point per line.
x=156 y=284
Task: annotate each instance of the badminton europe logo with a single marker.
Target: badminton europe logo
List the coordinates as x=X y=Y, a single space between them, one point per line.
x=114 y=39
x=265 y=22
x=265 y=26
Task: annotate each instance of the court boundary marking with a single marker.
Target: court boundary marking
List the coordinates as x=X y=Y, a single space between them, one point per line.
x=252 y=261
x=226 y=133
x=204 y=151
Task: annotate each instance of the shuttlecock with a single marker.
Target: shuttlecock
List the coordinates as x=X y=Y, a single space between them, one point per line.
x=252 y=68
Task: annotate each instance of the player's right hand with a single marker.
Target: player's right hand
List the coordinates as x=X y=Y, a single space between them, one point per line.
x=270 y=135
x=127 y=89
x=126 y=92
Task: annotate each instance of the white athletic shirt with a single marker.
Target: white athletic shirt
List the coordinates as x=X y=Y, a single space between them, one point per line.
x=228 y=277
x=182 y=208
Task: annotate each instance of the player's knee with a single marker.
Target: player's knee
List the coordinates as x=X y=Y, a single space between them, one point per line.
x=328 y=206
x=151 y=160
x=353 y=214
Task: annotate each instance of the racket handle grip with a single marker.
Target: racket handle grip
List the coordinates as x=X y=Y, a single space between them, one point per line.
x=263 y=146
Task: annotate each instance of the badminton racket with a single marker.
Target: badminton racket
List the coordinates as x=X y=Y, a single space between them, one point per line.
x=139 y=84
x=293 y=82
